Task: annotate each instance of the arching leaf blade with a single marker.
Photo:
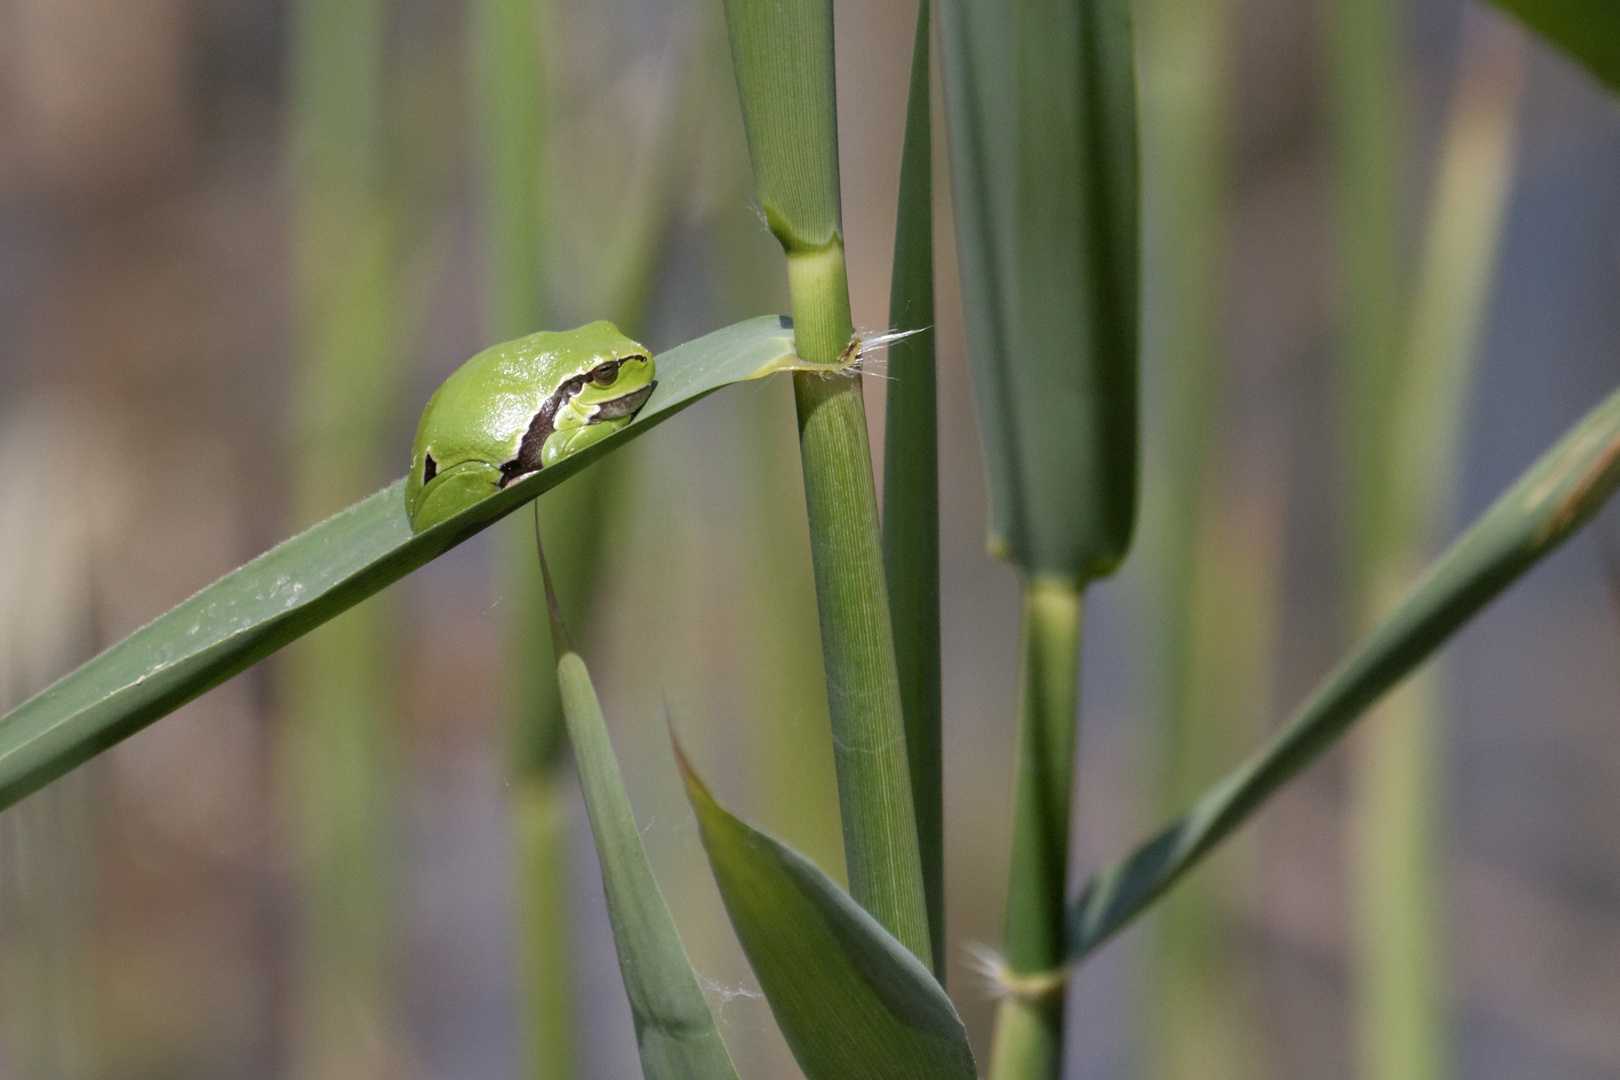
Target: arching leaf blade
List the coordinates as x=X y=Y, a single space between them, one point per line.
x=286 y=592
x=1553 y=499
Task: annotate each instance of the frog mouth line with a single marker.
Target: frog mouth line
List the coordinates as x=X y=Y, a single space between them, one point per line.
x=628 y=405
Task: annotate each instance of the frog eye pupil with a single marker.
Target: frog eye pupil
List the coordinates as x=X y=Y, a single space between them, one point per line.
x=430 y=468
x=606 y=374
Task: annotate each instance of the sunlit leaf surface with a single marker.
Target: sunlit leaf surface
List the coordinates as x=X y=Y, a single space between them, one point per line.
x=256 y=609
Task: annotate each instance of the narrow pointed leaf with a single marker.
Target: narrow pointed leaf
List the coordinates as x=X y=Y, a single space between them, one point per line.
x=284 y=593
x=852 y=1002
x=911 y=488
x=1551 y=501
x=675 y=1031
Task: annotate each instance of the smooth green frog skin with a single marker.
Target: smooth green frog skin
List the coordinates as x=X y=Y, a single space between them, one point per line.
x=519 y=407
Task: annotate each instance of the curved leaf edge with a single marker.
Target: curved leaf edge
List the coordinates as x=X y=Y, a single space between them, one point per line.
x=888 y=971
x=306 y=580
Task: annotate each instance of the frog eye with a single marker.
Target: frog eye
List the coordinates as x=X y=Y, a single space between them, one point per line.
x=606 y=374
x=430 y=468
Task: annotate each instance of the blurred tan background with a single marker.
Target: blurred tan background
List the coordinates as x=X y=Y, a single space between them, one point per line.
x=145 y=369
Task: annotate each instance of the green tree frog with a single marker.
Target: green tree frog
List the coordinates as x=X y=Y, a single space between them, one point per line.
x=519 y=407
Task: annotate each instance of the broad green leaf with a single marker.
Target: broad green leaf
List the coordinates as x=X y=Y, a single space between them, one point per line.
x=852 y=1002
x=1559 y=494
x=1588 y=30
x=256 y=609
x=1042 y=105
x=675 y=1031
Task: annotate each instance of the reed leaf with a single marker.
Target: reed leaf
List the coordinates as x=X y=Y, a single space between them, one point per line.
x=1554 y=498
x=675 y=1032
x=288 y=591
x=1042 y=102
x=852 y=1001
x=1044 y=171
x=911 y=487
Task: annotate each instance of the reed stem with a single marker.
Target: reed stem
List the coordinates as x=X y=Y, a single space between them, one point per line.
x=1029 y=1027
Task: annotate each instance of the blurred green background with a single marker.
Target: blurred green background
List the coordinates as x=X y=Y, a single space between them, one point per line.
x=150 y=907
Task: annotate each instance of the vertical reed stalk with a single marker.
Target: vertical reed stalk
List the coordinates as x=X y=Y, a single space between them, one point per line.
x=863 y=694
x=509 y=104
x=1029 y=1022
x=1365 y=99
x=568 y=518
x=53 y=539
x=1207 y=1024
x=783 y=58
x=335 y=744
x=47 y=901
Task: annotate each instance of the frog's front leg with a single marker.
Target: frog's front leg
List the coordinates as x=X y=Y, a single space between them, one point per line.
x=568 y=441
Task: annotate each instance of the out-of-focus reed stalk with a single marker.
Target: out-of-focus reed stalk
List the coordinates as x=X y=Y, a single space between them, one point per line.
x=1365 y=101
x=509 y=102
x=335 y=739
x=1396 y=848
x=520 y=139
x=1207 y=1018
x=1209 y=563
x=52 y=537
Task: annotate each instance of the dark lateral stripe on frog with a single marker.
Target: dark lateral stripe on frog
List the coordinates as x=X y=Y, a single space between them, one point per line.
x=528 y=458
